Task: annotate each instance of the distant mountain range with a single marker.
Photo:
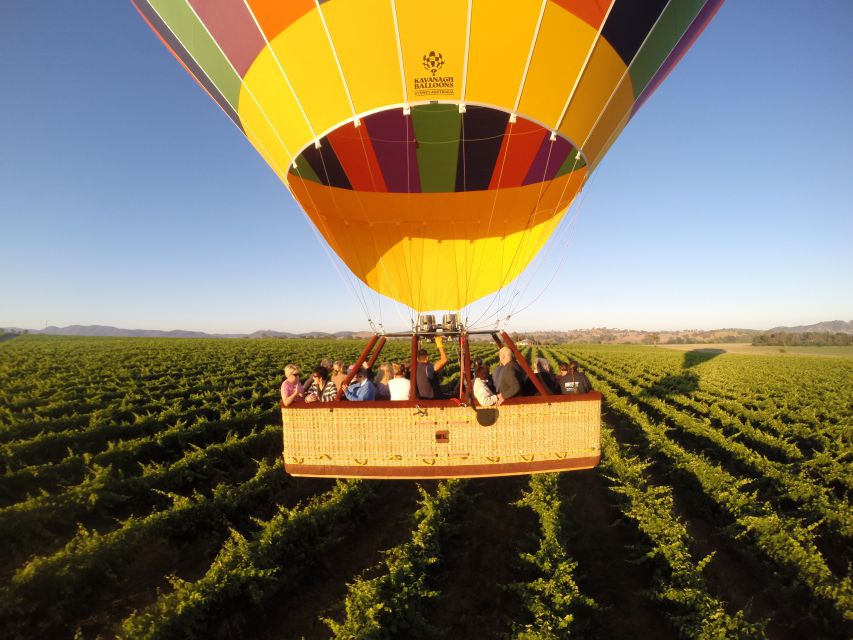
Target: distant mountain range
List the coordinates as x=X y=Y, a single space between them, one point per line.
x=834 y=326
x=104 y=331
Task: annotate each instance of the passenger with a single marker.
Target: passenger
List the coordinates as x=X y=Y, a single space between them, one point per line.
x=339 y=373
x=476 y=363
x=426 y=374
x=576 y=381
x=291 y=388
x=484 y=394
x=362 y=388
x=510 y=380
x=399 y=386
x=321 y=388
x=542 y=369
x=496 y=374
x=326 y=363
x=381 y=381
x=563 y=377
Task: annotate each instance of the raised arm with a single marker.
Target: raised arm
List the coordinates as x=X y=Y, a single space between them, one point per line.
x=438 y=366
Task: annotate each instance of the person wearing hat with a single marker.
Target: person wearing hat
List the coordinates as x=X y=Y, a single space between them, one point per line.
x=363 y=388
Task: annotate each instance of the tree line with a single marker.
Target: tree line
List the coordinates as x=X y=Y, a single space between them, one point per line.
x=806 y=338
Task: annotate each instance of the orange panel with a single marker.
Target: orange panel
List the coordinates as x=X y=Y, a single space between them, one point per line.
x=275 y=16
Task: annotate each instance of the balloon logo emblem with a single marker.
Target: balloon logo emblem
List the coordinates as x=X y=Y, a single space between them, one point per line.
x=433 y=62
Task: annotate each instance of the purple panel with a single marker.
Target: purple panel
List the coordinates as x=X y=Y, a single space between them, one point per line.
x=393 y=138
x=696 y=27
x=232 y=27
x=548 y=160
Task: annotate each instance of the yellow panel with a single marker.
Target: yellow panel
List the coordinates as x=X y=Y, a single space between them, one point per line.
x=609 y=128
x=304 y=51
x=437 y=26
x=267 y=128
x=605 y=70
x=438 y=250
x=558 y=57
x=279 y=165
x=501 y=33
x=364 y=37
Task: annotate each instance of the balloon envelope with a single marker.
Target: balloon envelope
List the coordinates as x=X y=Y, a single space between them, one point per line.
x=435 y=144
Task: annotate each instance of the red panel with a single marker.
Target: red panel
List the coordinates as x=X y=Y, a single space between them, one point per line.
x=231 y=26
x=355 y=152
x=520 y=144
x=590 y=11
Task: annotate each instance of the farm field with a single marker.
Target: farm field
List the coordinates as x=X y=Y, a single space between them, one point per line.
x=763 y=350
x=142 y=496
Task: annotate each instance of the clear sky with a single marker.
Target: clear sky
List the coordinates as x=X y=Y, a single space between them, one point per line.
x=127 y=198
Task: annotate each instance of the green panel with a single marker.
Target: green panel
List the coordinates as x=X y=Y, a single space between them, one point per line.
x=437 y=132
x=676 y=19
x=571 y=163
x=201 y=46
x=304 y=170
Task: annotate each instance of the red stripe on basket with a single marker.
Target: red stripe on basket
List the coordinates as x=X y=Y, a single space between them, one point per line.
x=425 y=472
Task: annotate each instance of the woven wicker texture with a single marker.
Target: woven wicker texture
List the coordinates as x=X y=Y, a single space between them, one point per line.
x=406 y=437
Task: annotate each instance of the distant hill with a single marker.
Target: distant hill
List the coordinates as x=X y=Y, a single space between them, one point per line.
x=106 y=331
x=834 y=326
x=594 y=335
x=607 y=335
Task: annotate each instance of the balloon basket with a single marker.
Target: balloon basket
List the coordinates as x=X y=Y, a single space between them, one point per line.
x=435 y=439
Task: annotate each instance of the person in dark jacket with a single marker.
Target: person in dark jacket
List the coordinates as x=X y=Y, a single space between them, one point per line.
x=574 y=380
x=509 y=383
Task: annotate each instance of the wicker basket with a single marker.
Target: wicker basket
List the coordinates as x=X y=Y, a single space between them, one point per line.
x=441 y=439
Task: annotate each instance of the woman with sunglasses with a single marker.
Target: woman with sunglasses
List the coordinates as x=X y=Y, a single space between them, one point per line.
x=291 y=388
x=321 y=389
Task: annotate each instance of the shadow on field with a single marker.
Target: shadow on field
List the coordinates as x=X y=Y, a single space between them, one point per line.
x=698 y=356
x=684 y=383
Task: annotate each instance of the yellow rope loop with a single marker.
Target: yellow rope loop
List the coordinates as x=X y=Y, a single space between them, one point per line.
x=428 y=462
x=325 y=456
x=528 y=458
x=396 y=456
x=297 y=460
x=495 y=459
x=562 y=455
x=360 y=463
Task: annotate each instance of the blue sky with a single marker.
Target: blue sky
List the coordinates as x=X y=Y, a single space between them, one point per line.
x=128 y=199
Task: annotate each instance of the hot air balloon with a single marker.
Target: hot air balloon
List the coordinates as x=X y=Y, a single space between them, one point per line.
x=436 y=145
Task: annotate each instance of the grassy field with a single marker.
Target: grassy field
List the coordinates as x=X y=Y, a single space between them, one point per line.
x=142 y=496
